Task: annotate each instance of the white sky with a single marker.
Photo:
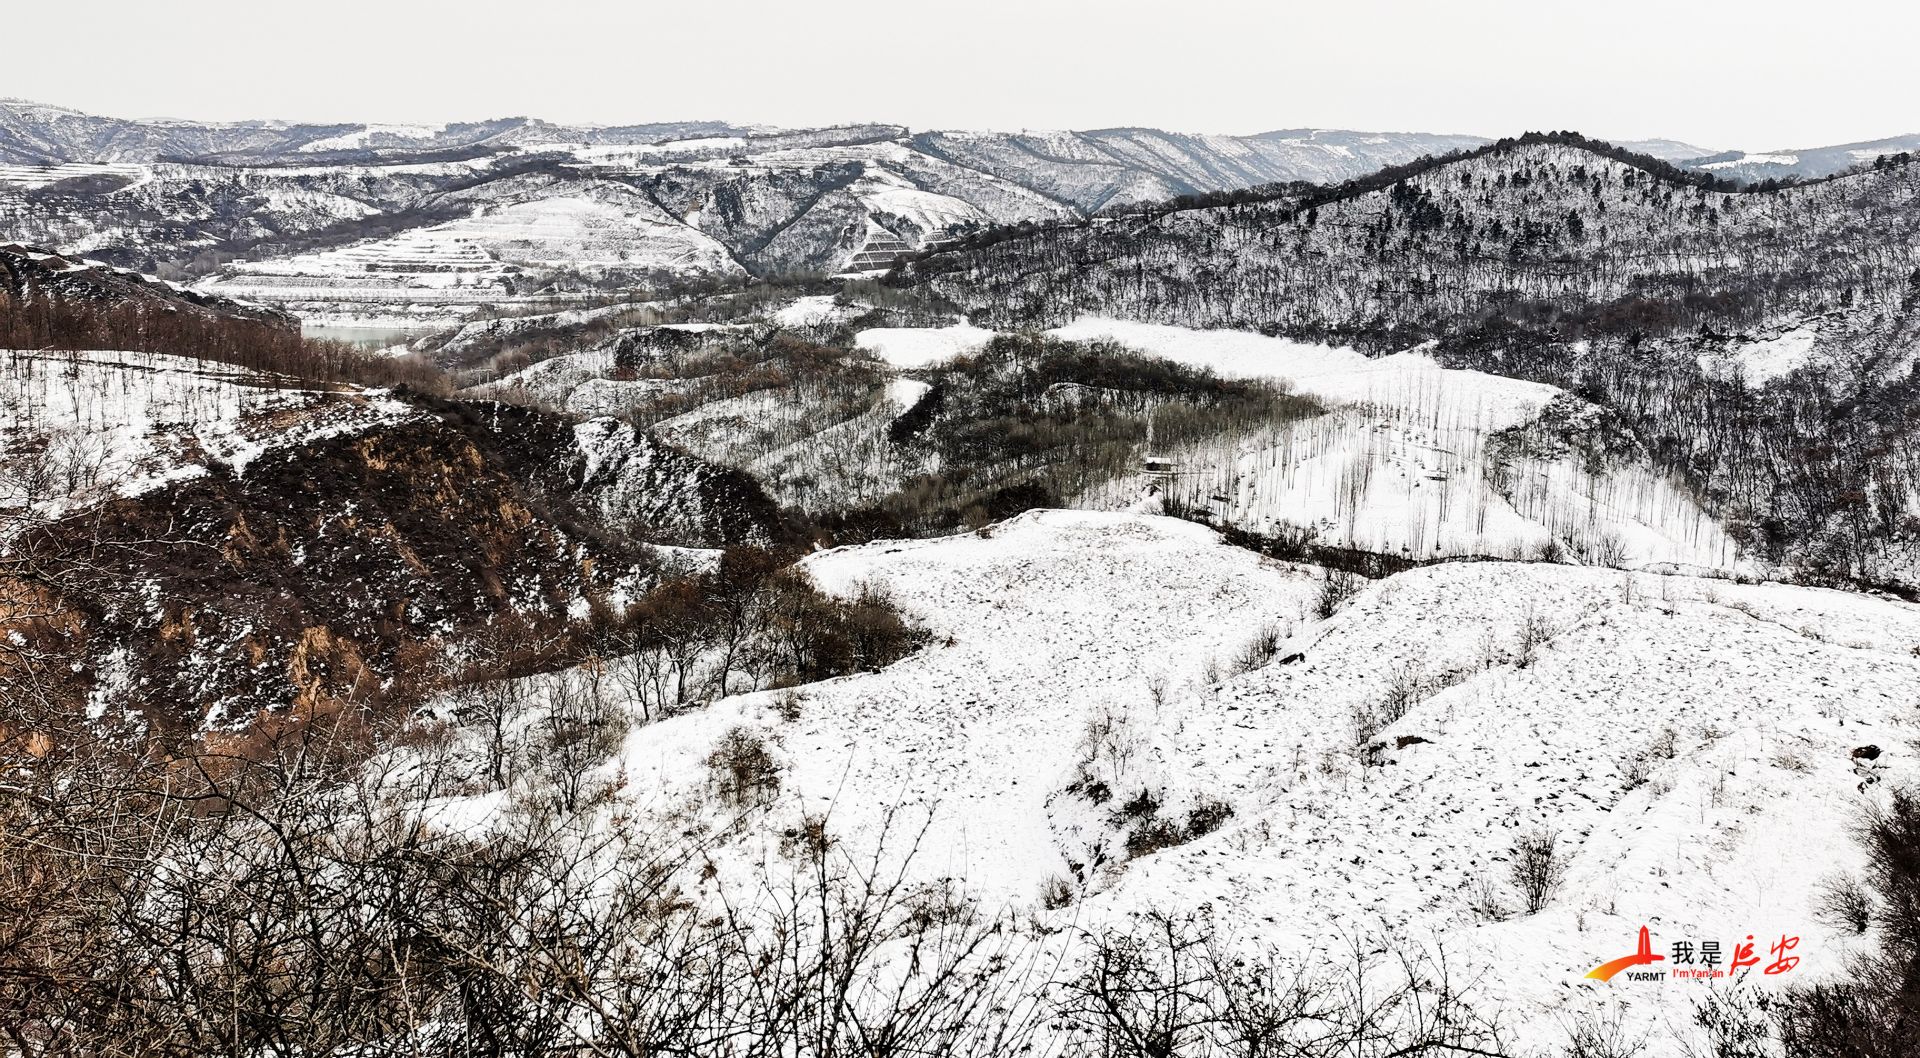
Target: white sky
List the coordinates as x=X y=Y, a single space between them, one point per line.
x=1756 y=75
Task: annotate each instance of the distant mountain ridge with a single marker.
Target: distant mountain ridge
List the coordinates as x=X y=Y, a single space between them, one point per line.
x=33 y=133
x=39 y=134
x=357 y=220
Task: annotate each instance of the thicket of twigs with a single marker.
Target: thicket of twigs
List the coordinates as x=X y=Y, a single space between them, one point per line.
x=278 y=905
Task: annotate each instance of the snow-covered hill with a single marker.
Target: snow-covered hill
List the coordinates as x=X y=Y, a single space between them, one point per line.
x=1096 y=710
x=1786 y=317
x=122 y=423
x=1545 y=219
x=274 y=545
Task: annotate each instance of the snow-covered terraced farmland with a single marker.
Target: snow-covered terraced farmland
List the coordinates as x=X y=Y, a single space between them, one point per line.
x=597 y=228
x=33 y=176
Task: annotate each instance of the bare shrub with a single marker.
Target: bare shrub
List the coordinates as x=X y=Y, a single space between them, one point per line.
x=1738 y=1023
x=1172 y=985
x=1363 y=726
x=578 y=731
x=1259 y=650
x=1537 y=869
x=787 y=705
x=1602 y=1035
x=1210 y=673
x=1790 y=760
x=1337 y=588
x=1634 y=771
x=1534 y=632
x=1405 y=689
x=1108 y=738
x=742 y=770
x=1483 y=899
x=810 y=840
x=1153 y=834
x=1143 y=805
x=1207 y=816
x=1056 y=892
x=1157 y=691
x=1845 y=902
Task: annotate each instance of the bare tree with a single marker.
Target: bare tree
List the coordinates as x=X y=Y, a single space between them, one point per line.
x=1537 y=868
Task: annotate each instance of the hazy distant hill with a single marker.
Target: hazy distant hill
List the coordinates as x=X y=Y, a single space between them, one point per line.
x=1755 y=166
x=359 y=218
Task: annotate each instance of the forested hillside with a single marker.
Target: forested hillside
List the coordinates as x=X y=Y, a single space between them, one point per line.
x=1547 y=229
x=1760 y=343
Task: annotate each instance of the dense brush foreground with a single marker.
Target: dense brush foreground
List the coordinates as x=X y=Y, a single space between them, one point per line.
x=1309 y=621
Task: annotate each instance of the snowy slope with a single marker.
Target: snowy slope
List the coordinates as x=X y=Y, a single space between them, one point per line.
x=1407 y=461
x=1404 y=380
x=1412 y=458
x=921 y=346
x=122 y=423
x=1688 y=740
x=985 y=735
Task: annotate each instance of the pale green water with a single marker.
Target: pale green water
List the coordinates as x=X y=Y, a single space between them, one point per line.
x=370 y=337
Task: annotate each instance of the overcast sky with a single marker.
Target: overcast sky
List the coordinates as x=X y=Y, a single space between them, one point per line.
x=1756 y=75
